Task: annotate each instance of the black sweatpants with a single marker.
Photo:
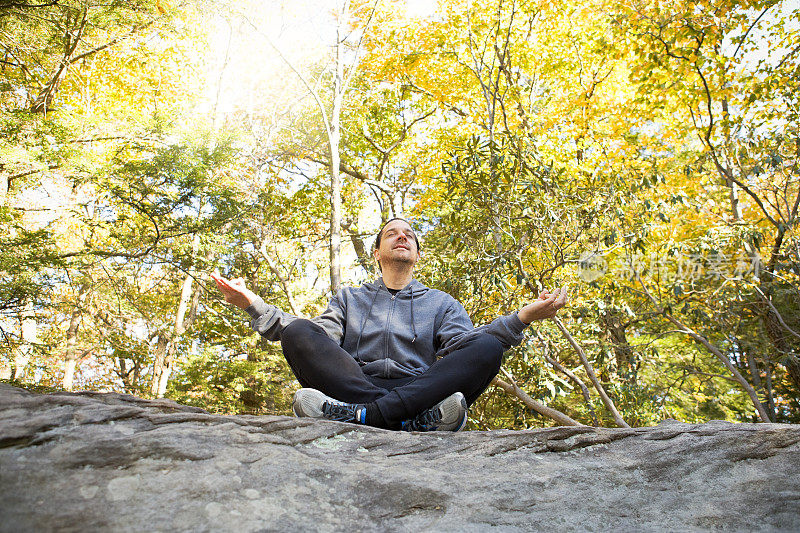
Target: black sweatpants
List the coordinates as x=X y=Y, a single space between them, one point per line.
x=320 y=363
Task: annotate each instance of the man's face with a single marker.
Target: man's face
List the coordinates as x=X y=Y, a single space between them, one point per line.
x=397 y=244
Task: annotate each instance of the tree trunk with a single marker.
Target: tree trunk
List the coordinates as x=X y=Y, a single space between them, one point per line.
x=69 y=373
x=187 y=311
x=364 y=258
x=755 y=373
x=162 y=366
x=334 y=138
x=623 y=353
x=124 y=374
x=166 y=370
x=333 y=129
x=780 y=340
x=770 y=395
x=71 y=352
x=162 y=370
x=778 y=331
x=158 y=363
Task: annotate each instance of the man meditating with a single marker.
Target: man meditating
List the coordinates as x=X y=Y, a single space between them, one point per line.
x=393 y=353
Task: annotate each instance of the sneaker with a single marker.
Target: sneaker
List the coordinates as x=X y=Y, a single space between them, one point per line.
x=312 y=403
x=448 y=415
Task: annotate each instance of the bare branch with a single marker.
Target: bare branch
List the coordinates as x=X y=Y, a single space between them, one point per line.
x=753 y=25
x=592 y=376
x=346 y=83
x=514 y=390
x=281 y=278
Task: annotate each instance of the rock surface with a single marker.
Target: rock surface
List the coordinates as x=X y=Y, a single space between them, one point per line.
x=111 y=462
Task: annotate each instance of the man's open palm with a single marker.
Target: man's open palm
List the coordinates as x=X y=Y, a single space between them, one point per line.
x=546 y=306
x=234 y=290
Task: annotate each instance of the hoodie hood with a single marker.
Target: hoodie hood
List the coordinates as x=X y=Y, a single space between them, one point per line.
x=414 y=288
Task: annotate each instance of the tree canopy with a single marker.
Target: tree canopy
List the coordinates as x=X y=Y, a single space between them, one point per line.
x=645 y=154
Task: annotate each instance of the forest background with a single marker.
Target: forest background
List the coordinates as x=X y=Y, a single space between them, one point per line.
x=644 y=153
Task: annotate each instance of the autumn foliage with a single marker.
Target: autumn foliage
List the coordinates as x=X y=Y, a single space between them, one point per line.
x=643 y=153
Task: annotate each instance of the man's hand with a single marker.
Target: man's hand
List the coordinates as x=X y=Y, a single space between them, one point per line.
x=234 y=291
x=546 y=306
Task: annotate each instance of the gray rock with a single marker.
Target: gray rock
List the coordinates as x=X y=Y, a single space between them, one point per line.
x=92 y=461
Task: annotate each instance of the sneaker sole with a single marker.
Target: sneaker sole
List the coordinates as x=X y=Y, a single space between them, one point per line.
x=307 y=403
x=454 y=405
x=463 y=422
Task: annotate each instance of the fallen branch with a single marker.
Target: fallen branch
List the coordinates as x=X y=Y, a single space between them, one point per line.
x=514 y=390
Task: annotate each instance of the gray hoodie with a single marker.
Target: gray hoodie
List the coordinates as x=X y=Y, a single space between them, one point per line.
x=392 y=336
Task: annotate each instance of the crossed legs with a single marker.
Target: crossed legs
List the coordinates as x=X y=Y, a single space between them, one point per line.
x=320 y=363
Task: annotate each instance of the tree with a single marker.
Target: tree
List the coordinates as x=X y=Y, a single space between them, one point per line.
x=727 y=95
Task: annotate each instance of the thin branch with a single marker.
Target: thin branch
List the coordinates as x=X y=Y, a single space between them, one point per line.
x=713 y=349
x=352 y=172
x=112 y=42
x=753 y=25
x=347 y=79
x=28 y=173
x=777 y=313
x=695 y=372
x=421 y=90
x=592 y=376
x=306 y=83
x=281 y=278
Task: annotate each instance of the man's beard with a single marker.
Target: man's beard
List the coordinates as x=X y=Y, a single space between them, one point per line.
x=404 y=260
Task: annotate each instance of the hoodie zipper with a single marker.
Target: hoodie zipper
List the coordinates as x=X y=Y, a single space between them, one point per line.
x=386 y=337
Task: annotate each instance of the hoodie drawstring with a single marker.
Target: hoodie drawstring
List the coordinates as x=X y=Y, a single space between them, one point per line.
x=364 y=323
x=413 y=327
x=369 y=311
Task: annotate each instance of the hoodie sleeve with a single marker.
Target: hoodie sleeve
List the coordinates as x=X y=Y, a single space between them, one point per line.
x=457 y=328
x=268 y=320
x=507 y=328
x=456 y=324
x=332 y=320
